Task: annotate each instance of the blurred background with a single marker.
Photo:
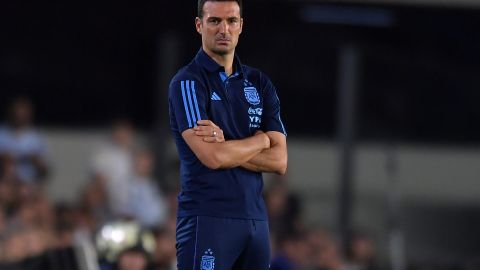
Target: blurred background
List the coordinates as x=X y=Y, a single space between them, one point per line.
x=379 y=98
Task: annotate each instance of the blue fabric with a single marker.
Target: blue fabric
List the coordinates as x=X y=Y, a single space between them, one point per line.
x=224 y=243
x=21 y=146
x=282 y=262
x=247 y=102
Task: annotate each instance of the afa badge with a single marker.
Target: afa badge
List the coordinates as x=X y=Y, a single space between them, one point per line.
x=208 y=261
x=251 y=95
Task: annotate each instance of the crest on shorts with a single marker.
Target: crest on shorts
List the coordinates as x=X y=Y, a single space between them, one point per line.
x=208 y=261
x=251 y=95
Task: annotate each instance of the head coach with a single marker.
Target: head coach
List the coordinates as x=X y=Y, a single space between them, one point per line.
x=225 y=119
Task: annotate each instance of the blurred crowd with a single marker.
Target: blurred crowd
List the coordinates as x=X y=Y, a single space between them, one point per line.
x=298 y=246
x=37 y=233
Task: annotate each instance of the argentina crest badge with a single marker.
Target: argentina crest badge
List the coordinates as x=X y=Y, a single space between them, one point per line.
x=208 y=261
x=251 y=95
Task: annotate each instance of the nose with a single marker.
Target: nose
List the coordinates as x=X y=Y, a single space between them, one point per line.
x=223 y=27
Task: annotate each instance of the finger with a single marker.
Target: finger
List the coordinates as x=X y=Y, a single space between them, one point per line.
x=205 y=123
x=203 y=128
x=210 y=139
x=220 y=137
x=203 y=133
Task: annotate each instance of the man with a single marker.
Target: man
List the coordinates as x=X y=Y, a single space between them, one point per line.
x=112 y=167
x=225 y=118
x=21 y=142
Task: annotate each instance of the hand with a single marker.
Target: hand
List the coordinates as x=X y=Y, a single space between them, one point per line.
x=209 y=131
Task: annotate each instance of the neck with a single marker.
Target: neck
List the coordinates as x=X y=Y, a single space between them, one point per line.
x=225 y=60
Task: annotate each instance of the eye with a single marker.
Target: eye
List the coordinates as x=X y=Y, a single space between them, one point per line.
x=233 y=20
x=214 y=21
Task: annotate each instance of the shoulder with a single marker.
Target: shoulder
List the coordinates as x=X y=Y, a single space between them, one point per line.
x=255 y=75
x=188 y=74
x=34 y=136
x=192 y=71
x=259 y=79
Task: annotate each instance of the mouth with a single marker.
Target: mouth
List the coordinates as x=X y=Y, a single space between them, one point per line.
x=223 y=41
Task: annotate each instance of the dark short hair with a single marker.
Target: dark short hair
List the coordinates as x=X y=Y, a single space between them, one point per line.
x=202 y=2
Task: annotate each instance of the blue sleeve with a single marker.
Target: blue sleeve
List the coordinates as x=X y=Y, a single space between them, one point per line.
x=187 y=104
x=271 y=120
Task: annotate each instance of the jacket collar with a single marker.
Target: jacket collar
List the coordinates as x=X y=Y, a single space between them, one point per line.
x=208 y=63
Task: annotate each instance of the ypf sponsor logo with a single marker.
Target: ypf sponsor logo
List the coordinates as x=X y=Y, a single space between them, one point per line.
x=255 y=116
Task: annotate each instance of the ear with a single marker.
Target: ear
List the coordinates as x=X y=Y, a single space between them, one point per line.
x=198 y=25
x=241 y=25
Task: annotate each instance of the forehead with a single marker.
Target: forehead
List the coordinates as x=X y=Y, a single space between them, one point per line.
x=222 y=9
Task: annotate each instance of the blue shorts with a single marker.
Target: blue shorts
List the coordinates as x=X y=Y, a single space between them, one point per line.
x=212 y=243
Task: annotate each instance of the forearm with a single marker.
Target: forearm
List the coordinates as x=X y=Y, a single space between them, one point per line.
x=236 y=152
x=227 y=154
x=273 y=159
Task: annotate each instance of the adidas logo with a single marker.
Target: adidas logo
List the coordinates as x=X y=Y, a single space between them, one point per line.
x=215 y=96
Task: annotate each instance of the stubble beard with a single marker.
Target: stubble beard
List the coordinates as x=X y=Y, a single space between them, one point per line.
x=220 y=52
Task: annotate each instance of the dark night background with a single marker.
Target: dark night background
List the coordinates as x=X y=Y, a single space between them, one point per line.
x=85 y=63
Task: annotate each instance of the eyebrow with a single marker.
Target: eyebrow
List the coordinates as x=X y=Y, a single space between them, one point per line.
x=218 y=18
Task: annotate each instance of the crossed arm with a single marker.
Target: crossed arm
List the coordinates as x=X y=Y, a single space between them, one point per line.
x=263 y=152
x=273 y=159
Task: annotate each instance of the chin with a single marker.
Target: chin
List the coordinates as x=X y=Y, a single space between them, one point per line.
x=221 y=51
